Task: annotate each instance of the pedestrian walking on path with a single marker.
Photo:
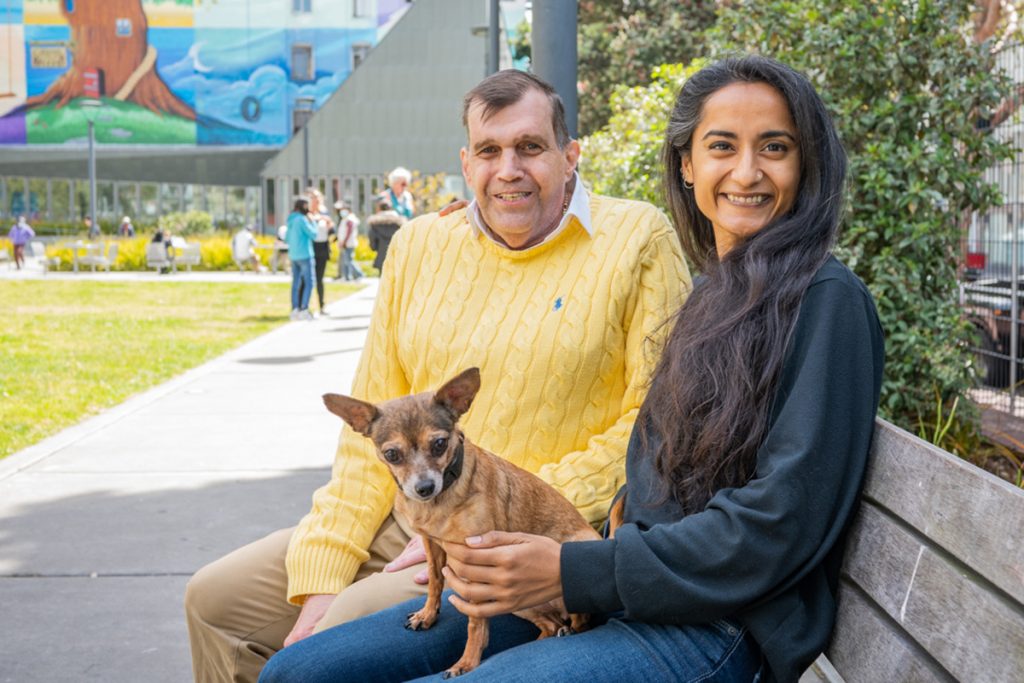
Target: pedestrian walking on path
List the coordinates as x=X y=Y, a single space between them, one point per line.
x=20 y=234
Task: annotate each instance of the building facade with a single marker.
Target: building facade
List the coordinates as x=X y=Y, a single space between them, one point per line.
x=189 y=98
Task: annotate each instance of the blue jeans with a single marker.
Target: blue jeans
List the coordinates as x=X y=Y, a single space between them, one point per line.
x=347 y=268
x=378 y=648
x=302 y=283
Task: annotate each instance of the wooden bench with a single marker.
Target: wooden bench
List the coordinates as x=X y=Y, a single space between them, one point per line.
x=932 y=584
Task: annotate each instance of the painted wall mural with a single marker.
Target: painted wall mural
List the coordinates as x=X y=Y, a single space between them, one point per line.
x=173 y=72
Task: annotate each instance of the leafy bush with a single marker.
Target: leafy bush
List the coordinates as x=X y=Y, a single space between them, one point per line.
x=429 y=192
x=622 y=159
x=906 y=86
x=215 y=253
x=187 y=223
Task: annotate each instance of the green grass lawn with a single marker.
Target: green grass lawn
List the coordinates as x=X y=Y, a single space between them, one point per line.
x=70 y=349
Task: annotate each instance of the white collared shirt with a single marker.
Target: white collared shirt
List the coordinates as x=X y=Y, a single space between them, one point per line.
x=579 y=206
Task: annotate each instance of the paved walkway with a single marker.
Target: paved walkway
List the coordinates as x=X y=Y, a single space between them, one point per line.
x=102 y=524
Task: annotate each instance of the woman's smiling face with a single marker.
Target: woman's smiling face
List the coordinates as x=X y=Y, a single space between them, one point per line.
x=744 y=161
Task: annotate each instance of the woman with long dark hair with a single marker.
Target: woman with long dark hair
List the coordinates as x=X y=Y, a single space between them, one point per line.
x=745 y=466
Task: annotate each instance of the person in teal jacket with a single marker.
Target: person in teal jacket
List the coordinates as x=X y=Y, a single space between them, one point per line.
x=300 y=250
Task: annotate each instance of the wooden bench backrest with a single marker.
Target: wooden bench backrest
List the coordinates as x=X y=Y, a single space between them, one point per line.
x=933 y=578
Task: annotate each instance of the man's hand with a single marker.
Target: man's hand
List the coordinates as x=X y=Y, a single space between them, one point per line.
x=313 y=610
x=413 y=554
x=451 y=206
x=502 y=572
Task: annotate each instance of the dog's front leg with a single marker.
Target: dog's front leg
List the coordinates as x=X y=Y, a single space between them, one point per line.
x=479 y=633
x=425 y=618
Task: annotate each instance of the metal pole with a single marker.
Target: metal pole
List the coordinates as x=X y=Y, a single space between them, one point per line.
x=92 y=174
x=493 y=36
x=305 y=157
x=1014 y=311
x=553 y=38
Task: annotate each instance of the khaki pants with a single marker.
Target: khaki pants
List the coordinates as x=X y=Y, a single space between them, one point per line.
x=238 y=615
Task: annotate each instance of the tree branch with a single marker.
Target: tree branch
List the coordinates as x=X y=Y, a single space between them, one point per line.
x=985 y=26
x=1008 y=106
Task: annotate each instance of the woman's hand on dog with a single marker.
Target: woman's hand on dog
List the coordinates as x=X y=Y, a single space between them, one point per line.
x=502 y=572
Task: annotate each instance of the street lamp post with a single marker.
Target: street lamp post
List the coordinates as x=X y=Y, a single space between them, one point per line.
x=493 y=37
x=553 y=38
x=90 y=106
x=305 y=104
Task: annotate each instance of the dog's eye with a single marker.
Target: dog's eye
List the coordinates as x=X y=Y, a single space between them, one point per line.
x=438 y=446
x=392 y=455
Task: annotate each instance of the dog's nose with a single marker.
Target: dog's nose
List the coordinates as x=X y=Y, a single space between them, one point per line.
x=424 y=488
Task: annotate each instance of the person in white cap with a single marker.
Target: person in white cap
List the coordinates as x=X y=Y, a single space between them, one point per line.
x=126 y=229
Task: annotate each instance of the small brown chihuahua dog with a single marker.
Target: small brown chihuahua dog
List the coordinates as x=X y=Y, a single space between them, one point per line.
x=451 y=489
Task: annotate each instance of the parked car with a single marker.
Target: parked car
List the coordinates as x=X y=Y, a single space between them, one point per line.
x=988 y=305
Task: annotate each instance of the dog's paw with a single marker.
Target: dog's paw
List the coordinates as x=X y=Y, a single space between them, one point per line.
x=566 y=630
x=421 y=620
x=456 y=671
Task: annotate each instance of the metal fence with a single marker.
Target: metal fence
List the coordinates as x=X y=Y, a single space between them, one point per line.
x=993 y=264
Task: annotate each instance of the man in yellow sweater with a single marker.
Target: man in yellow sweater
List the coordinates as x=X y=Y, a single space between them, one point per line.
x=558 y=295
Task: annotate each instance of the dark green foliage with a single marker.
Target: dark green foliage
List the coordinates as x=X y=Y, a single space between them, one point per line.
x=906 y=86
x=620 y=42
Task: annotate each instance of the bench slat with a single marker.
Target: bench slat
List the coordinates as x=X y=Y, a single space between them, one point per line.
x=965 y=625
x=972 y=514
x=866 y=649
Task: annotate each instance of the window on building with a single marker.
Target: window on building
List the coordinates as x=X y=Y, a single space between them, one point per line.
x=359 y=52
x=150 y=200
x=38 y=191
x=302 y=62
x=302 y=5
x=270 y=204
x=362 y=8
x=61 y=208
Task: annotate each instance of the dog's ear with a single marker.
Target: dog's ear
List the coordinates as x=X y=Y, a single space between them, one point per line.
x=358 y=414
x=458 y=393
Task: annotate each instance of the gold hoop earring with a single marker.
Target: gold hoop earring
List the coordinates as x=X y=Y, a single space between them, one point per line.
x=687 y=185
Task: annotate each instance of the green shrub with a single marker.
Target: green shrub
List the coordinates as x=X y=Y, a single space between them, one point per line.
x=187 y=223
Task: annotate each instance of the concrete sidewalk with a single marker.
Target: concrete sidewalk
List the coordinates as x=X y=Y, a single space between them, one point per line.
x=102 y=524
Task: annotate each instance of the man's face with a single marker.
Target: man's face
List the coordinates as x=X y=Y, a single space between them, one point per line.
x=516 y=169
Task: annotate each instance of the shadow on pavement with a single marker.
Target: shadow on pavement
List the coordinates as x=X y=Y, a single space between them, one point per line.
x=92 y=584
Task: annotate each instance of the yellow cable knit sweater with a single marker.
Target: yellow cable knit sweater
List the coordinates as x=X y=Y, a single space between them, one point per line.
x=565 y=334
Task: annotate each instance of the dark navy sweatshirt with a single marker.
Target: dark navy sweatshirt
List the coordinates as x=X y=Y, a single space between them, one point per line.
x=766 y=554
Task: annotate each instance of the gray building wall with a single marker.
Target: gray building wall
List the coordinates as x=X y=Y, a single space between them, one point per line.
x=402 y=106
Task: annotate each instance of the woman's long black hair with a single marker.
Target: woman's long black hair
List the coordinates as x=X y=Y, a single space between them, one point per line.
x=712 y=391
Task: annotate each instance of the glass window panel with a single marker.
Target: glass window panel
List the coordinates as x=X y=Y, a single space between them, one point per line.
x=105 y=200
x=200 y=198
x=170 y=197
x=302 y=62
x=150 y=203
x=37 y=192
x=81 y=199
x=60 y=208
x=270 y=202
x=235 y=214
x=127 y=201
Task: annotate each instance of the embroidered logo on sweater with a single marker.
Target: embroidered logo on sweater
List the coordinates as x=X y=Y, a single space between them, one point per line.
x=558 y=304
